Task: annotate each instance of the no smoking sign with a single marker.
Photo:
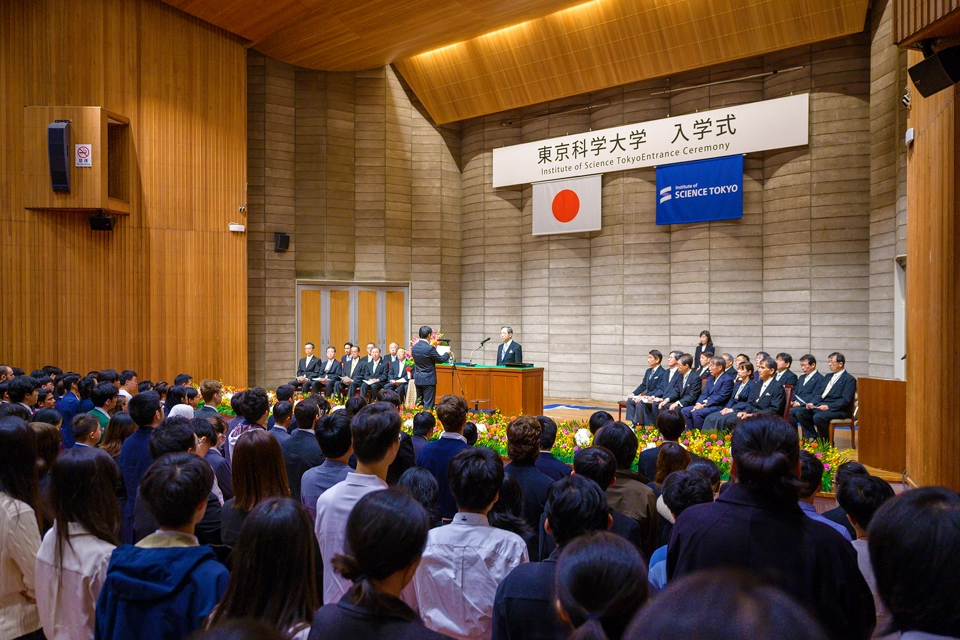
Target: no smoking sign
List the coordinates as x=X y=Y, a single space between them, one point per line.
x=84 y=155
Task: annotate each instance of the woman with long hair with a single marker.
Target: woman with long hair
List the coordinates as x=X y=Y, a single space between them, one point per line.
x=49 y=443
x=672 y=457
x=258 y=474
x=120 y=427
x=175 y=395
x=19 y=530
x=705 y=344
x=73 y=558
x=507 y=514
x=274 y=570
x=386 y=534
x=601 y=583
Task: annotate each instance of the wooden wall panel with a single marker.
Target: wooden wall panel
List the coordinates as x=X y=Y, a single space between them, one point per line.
x=165 y=292
x=339 y=318
x=310 y=319
x=366 y=319
x=397 y=318
x=919 y=19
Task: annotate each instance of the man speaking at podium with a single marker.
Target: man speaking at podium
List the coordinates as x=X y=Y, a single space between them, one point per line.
x=509 y=351
x=425 y=360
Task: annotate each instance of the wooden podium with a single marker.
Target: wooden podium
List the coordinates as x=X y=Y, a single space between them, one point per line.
x=511 y=390
x=881 y=422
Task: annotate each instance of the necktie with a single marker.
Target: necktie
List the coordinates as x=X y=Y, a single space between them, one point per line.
x=830 y=385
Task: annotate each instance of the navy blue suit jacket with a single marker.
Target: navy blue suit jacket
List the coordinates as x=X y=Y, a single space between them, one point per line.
x=548 y=465
x=335 y=370
x=804 y=392
x=668 y=388
x=425 y=360
x=771 y=401
x=739 y=403
x=68 y=405
x=513 y=354
x=434 y=457
x=651 y=378
x=717 y=392
x=688 y=394
x=788 y=377
x=380 y=371
x=841 y=394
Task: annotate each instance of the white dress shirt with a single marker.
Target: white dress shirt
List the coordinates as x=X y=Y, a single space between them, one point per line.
x=461 y=568
x=333 y=508
x=19 y=543
x=833 y=381
x=67 y=598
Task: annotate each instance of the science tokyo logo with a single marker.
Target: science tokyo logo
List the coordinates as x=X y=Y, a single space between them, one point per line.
x=695 y=191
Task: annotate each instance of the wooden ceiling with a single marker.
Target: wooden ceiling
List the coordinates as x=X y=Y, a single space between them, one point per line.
x=466 y=58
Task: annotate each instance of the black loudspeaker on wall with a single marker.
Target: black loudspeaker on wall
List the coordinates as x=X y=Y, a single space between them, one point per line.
x=101 y=222
x=937 y=71
x=58 y=150
x=281 y=242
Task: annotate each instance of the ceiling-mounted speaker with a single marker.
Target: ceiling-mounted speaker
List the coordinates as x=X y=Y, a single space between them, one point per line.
x=58 y=151
x=102 y=222
x=937 y=71
x=281 y=242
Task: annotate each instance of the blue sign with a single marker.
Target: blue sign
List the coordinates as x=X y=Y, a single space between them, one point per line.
x=700 y=191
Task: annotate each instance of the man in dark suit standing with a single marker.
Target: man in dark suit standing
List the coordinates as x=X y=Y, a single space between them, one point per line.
x=784 y=376
x=377 y=373
x=509 y=351
x=651 y=378
x=835 y=400
x=307 y=369
x=767 y=396
x=807 y=388
x=425 y=360
x=330 y=372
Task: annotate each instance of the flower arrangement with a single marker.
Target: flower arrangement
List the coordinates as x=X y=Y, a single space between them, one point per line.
x=434 y=340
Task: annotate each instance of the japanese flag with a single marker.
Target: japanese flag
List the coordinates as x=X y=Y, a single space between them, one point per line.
x=566 y=206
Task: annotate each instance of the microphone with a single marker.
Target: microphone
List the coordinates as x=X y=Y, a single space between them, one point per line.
x=485 y=342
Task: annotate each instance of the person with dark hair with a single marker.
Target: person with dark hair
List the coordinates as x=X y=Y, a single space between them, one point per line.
x=739 y=399
x=524 y=606
x=708 y=469
x=46 y=399
x=301 y=451
x=253 y=407
x=523 y=449
x=193 y=398
x=465 y=561
x=705 y=343
x=833 y=401
x=336 y=445
x=128 y=383
x=845 y=471
x=811 y=483
x=713 y=397
x=109 y=375
x=376 y=375
x=507 y=514
x=330 y=371
x=601 y=583
x=860 y=497
x=239 y=629
x=85 y=387
x=630 y=494
x=19 y=530
x=547 y=463
x=597 y=420
x=284 y=393
x=49 y=443
x=668 y=387
x=120 y=427
x=784 y=376
x=308 y=368
x=767 y=397
x=354 y=405
x=807 y=386
x=145 y=385
x=352 y=371
x=435 y=456
x=375 y=433
x=670 y=424
x=69 y=405
x=72 y=560
x=161 y=388
x=423 y=487
x=258 y=474
x=86 y=430
x=723 y=605
x=166 y=585
x=104 y=398
x=274 y=569
x=686 y=392
x=176 y=395
x=4 y=396
x=651 y=379
x=23 y=391
x=756 y=525
x=681 y=489
x=183 y=380
x=135 y=456
x=207 y=441
x=423 y=425
x=470 y=433
x=385 y=537
x=15 y=410
x=406 y=456
x=672 y=457
x=6 y=373
x=425 y=361
x=279 y=422
x=914 y=542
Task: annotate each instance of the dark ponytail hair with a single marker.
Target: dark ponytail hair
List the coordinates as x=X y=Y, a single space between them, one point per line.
x=766 y=450
x=601 y=583
x=386 y=533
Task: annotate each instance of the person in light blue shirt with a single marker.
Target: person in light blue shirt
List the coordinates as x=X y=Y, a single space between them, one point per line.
x=336 y=444
x=811 y=481
x=681 y=489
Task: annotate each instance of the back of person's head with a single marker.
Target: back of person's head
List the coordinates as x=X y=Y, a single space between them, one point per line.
x=174 y=487
x=354 y=405
x=48 y=415
x=143 y=407
x=914 y=543
x=306 y=413
x=507 y=511
x=672 y=457
x=82 y=491
x=598 y=419
x=576 y=505
x=597 y=463
x=548 y=433
x=161 y=388
x=18 y=460
x=621 y=441
x=3 y=389
x=236 y=401
x=848 y=470
x=861 y=496
x=205 y=431
x=15 y=410
x=173 y=435
x=389 y=396
x=108 y=375
x=177 y=394
x=145 y=385
x=452 y=413
x=375 y=430
x=470 y=433
x=120 y=427
x=723 y=605
x=475 y=475
x=85 y=386
x=274 y=568
x=811 y=474
x=282 y=411
x=21 y=387
x=523 y=440
x=258 y=470
x=285 y=392
x=422 y=486
x=386 y=534
x=68 y=380
x=708 y=469
x=423 y=424
x=208 y=389
x=254 y=405
x=682 y=489
x=424 y=332
x=49 y=441
x=219 y=424
x=671 y=424
x=333 y=434
x=601 y=583
x=182 y=379
x=765 y=452
x=83 y=425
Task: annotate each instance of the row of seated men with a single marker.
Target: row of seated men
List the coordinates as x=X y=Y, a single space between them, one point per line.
x=723 y=390
x=353 y=373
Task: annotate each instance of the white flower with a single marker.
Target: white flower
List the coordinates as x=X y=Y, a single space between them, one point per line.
x=408 y=423
x=582 y=437
x=481 y=429
x=336 y=408
x=227 y=397
x=653 y=445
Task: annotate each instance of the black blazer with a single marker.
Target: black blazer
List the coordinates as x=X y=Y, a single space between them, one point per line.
x=301 y=452
x=623 y=526
x=700 y=349
x=841 y=394
x=425 y=360
x=651 y=378
x=689 y=393
x=740 y=402
x=380 y=371
x=524 y=605
x=346 y=620
x=668 y=388
x=771 y=401
x=788 y=377
x=358 y=372
x=335 y=370
x=398 y=370
x=406 y=458
x=513 y=354
x=309 y=371
x=804 y=392
x=549 y=465
x=534 y=486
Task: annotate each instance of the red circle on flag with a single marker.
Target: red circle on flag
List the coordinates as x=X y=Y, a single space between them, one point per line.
x=566 y=205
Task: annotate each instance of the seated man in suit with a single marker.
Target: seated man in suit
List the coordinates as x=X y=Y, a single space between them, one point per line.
x=329 y=374
x=670 y=424
x=651 y=378
x=399 y=376
x=807 y=388
x=714 y=396
x=739 y=399
x=307 y=369
x=509 y=351
x=784 y=376
x=375 y=375
x=688 y=390
x=835 y=400
x=351 y=375
x=649 y=406
x=703 y=367
x=730 y=367
x=767 y=397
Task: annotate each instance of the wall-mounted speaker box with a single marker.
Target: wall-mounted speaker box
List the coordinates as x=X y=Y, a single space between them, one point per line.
x=103 y=223
x=937 y=72
x=58 y=153
x=281 y=242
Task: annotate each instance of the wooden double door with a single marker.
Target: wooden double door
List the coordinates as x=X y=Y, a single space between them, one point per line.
x=332 y=314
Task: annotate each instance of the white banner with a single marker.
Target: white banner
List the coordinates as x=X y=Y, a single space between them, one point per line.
x=566 y=206
x=745 y=128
